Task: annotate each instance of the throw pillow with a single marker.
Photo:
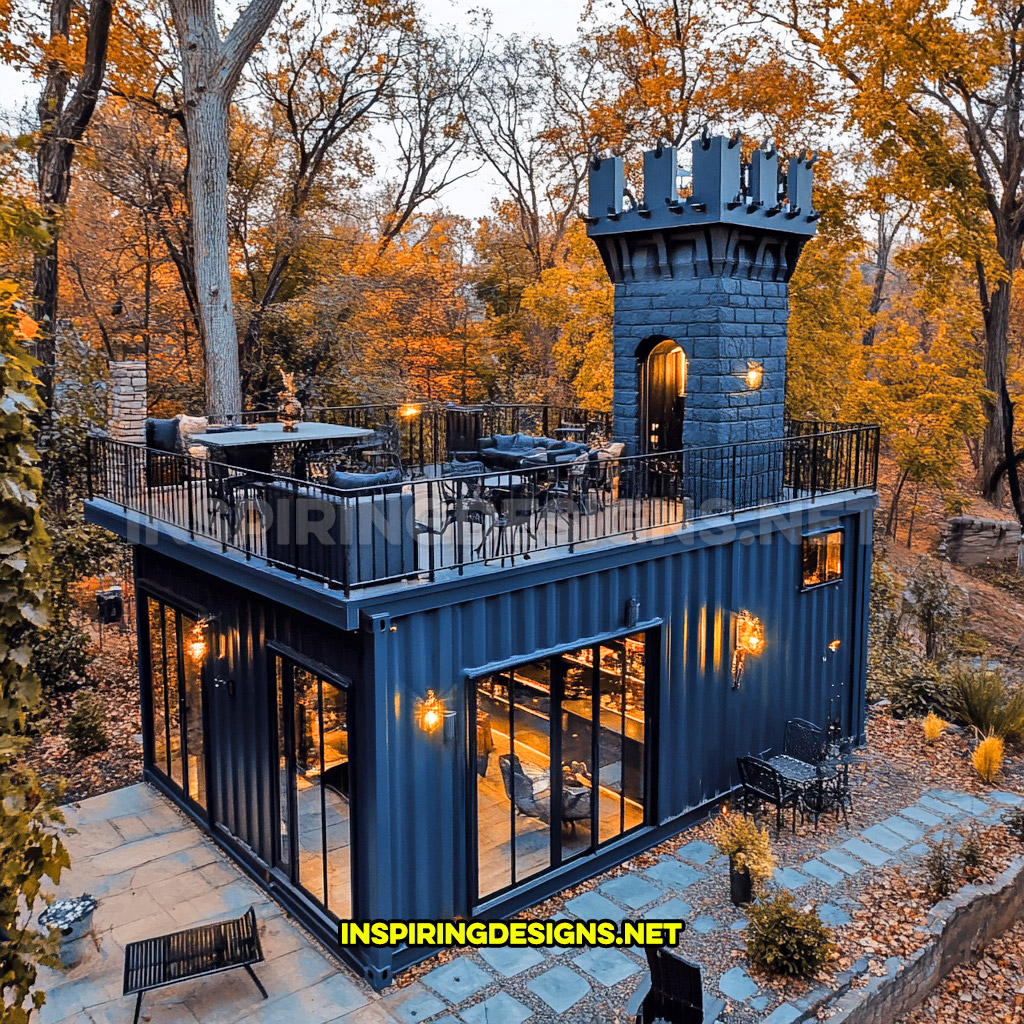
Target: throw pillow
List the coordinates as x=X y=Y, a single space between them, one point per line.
x=613 y=450
x=162 y=435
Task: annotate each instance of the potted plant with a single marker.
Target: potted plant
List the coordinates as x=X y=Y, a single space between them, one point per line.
x=71 y=918
x=749 y=851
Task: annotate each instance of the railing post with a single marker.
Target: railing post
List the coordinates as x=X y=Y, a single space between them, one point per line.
x=189 y=467
x=733 y=482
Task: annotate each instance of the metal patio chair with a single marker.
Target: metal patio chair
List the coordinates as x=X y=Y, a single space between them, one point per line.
x=762 y=784
x=805 y=741
x=677 y=992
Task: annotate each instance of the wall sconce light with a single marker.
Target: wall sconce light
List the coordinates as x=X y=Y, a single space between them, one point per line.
x=431 y=712
x=408 y=411
x=754 y=375
x=197 y=645
x=749 y=640
x=834 y=645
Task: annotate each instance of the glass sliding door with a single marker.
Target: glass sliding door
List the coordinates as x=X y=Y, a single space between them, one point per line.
x=176 y=722
x=559 y=747
x=313 y=785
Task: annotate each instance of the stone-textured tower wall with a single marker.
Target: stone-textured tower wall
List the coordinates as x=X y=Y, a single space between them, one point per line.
x=709 y=272
x=128 y=401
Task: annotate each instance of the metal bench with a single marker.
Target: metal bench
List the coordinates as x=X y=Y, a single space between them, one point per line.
x=192 y=953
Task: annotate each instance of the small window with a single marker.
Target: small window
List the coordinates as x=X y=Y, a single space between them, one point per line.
x=822 y=558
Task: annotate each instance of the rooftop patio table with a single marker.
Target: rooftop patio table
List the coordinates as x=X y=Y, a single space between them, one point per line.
x=252 y=447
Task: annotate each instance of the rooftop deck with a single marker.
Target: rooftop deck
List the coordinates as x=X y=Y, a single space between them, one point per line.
x=436 y=526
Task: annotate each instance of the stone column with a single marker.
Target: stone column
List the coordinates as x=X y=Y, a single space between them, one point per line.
x=128 y=401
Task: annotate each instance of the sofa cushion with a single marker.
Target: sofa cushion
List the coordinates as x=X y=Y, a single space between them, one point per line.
x=505 y=442
x=387 y=481
x=162 y=435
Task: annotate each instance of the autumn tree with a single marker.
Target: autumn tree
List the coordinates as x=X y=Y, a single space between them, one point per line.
x=574 y=299
x=65 y=108
x=939 y=94
x=324 y=73
x=515 y=118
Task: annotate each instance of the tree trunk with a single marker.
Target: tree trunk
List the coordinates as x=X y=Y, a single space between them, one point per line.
x=993 y=447
x=207 y=127
x=211 y=66
x=60 y=128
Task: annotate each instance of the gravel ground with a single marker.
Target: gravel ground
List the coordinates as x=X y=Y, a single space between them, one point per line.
x=987 y=990
x=890 y=773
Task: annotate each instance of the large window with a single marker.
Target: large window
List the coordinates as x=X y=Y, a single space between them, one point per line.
x=313 y=785
x=176 y=699
x=822 y=558
x=559 y=748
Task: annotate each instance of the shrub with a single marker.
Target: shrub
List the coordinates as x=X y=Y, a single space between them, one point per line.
x=87 y=727
x=933 y=726
x=939 y=606
x=942 y=868
x=782 y=939
x=61 y=654
x=916 y=691
x=979 y=697
x=988 y=757
x=746 y=845
x=970 y=854
x=1014 y=822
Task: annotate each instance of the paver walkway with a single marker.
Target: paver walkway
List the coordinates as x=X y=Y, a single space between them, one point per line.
x=153 y=872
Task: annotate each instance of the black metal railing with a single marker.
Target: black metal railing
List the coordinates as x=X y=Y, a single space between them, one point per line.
x=428 y=432
x=438 y=524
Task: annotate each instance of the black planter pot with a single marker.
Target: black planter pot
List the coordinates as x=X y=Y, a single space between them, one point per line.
x=741 y=887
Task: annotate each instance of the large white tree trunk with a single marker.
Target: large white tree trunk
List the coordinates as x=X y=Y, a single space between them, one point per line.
x=210 y=69
x=207 y=126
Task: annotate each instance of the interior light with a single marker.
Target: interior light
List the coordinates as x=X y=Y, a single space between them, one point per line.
x=196 y=645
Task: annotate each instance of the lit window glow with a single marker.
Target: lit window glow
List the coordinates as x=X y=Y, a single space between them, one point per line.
x=822 y=558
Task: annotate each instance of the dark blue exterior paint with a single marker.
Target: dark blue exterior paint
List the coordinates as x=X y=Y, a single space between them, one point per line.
x=411 y=838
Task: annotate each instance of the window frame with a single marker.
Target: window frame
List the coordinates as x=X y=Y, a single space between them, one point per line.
x=652 y=633
x=282 y=660
x=824 y=532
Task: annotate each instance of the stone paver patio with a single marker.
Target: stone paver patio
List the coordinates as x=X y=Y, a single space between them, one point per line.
x=153 y=872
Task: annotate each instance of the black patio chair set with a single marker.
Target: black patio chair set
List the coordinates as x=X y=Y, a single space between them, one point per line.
x=811 y=777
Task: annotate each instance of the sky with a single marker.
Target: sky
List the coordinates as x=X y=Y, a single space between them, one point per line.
x=557 y=19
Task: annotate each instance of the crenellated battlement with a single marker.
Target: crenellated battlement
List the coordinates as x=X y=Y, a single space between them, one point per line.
x=702 y=292
x=759 y=193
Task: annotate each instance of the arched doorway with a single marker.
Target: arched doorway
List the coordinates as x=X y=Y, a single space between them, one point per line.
x=662 y=394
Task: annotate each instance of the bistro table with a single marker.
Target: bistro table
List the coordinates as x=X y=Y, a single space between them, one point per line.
x=821 y=786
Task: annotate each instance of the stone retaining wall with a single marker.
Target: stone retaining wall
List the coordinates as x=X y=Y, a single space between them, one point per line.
x=974 y=916
x=970 y=541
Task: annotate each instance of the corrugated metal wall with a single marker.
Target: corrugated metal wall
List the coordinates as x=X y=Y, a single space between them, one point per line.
x=700 y=723
x=411 y=790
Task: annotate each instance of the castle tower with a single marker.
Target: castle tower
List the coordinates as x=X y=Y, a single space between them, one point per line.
x=701 y=292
